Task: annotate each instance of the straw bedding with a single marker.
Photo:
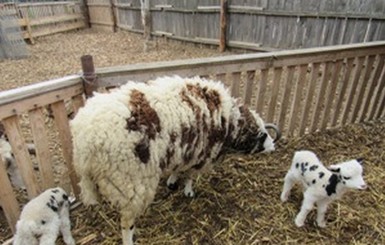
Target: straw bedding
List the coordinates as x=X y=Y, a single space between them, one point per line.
x=238 y=203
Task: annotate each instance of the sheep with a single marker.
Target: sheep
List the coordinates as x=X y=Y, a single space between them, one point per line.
x=321 y=185
x=126 y=140
x=43 y=217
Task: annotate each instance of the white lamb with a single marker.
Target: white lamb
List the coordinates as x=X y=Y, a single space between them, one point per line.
x=43 y=217
x=321 y=185
x=126 y=140
x=10 y=163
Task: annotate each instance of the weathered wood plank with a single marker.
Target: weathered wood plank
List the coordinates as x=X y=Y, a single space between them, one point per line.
x=286 y=98
x=235 y=83
x=261 y=91
x=62 y=124
x=23 y=160
x=8 y=200
x=309 y=98
x=354 y=83
x=41 y=140
x=332 y=93
x=297 y=98
x=361 y=91
x=344 y=85
x=319 y=106
x=249 y=87
x=375 y=88
x=272 y=104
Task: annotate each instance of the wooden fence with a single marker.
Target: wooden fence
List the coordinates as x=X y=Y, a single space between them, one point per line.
x=302 y=91
x=252 y=24
x=45 y=18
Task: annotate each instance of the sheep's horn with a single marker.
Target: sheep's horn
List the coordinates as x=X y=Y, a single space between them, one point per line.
x=275 y=128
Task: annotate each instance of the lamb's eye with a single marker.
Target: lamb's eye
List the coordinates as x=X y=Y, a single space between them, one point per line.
x=347 y=178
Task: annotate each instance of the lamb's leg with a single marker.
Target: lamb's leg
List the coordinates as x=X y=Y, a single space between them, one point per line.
x=128 y=235
x=287 y=186
x=172 y=182
x=307 y=206
x=65 y=226
x=188 y=189
x=50 y=233
x=321 y=210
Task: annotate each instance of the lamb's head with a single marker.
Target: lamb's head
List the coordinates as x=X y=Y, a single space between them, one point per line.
x=58 y=198
x=350 y=173
x=253 y=136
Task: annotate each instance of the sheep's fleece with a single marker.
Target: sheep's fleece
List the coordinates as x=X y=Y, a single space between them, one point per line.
x=124 y=141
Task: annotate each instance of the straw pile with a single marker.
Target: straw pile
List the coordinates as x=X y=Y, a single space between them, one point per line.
x=239 y=202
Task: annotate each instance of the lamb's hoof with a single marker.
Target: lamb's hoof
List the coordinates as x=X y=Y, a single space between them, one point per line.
x=173 y=186
x=189 y=193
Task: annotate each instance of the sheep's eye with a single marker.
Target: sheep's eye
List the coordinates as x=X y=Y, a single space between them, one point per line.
x=347 y=178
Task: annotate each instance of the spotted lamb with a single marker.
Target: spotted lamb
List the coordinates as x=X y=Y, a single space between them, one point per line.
x=126 y=140
x=43 y=217
x=321 y=185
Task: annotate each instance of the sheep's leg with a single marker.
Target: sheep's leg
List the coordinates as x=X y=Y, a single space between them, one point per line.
x=65 y=225
x=287 y=186
x=321 y=210
x=307 y=206
x=172 y=182
x=88 y=191
x=50 y=233
x=128 y=235
x=188 y=189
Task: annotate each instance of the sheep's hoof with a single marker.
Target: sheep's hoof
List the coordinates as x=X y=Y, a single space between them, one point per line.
x=189 y=193
x=173 y=186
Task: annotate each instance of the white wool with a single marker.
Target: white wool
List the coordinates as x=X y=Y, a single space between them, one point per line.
x=321 y=185
x=10 y=163
x=108 y=142
x=43 y=217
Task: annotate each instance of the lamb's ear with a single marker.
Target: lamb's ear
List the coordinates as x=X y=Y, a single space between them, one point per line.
x=360 y=160
x=334 y=168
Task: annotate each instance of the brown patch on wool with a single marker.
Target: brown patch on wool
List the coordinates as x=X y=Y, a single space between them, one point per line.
x=143 y=116
x=211 y=97
x=142 y=151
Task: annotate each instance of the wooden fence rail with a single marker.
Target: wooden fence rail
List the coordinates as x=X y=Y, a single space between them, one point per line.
x=302 y=91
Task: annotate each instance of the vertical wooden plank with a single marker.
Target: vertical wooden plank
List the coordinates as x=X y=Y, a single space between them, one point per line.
x=309 y=98
x=343 y=31
x=381 y=108
x=357 y=73
x=261 y=91
x=223 y=26
x=344 y=86
x=42 y=147
x=380 y=95
x=296 y=104
x=286 y=97
x=249 y=87
x=332 y=93
x=61 y=121
x=378 y=79
x=235 y=84
x=367 y=72
x=277 y=73
x=8 y=200
x=23 y=161
x=319 y=106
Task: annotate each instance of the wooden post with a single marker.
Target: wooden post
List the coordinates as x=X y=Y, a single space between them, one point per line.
x=223 y=24
x=89 y=76
x=146 y=21
x=114 y=23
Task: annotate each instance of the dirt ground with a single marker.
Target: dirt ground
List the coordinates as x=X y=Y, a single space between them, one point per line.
x=237 y=203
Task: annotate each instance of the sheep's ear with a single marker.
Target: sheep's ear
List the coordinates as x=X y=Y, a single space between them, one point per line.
x=360 y=160
x=334 y=168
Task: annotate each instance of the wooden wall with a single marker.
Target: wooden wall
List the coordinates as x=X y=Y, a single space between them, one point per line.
x=254 y=24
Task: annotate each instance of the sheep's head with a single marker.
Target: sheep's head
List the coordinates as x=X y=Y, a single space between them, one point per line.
x=350 y=173
x=253 y=136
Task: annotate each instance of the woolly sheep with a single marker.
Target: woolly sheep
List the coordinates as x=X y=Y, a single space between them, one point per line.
x=43 y=217
x=321 y=185
x=125 y=141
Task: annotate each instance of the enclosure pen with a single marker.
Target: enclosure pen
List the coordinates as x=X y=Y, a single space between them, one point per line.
x=303 y=91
